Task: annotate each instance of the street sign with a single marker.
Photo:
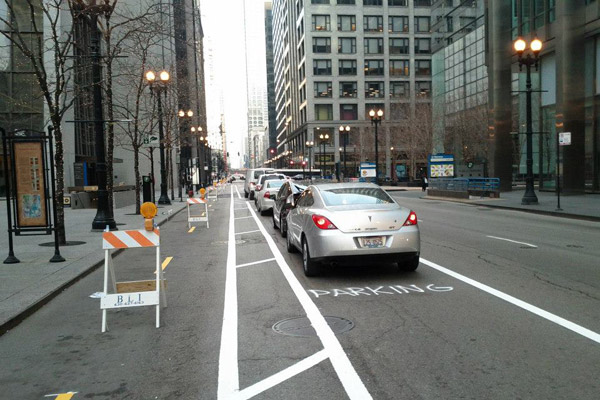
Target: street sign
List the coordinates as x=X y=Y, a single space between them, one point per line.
x=564 y=138
x=367 y=170
x=150 y=141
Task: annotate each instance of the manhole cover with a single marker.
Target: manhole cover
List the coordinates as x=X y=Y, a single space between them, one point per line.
x=301 y=327
x=69 y=243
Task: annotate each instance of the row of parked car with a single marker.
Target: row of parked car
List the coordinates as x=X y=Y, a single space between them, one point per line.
x=337 y=222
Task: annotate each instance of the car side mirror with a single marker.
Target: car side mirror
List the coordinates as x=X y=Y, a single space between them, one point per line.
x=291 y=201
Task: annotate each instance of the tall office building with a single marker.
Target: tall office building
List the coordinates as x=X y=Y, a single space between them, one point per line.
x=272 y=113
x=460 y=84
x=566 y=84
x=335 y=60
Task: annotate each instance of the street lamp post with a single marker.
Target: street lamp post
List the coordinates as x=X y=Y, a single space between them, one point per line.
x=376 y=117
x=158 y=88
x=184 y=151
x=310 y=144
x=324 y=138
x=536 y=46
x=345 y=131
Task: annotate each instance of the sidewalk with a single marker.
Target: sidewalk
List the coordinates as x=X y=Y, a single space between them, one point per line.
x=30 y=283
x=585 y=206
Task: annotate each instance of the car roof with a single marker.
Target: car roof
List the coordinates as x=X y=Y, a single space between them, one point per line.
x=346 y=185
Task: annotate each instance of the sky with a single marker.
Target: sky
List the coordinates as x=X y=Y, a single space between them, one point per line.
x=225 y=69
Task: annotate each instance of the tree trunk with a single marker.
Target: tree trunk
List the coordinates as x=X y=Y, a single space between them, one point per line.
x=110 y=137
x=138 y=180
x=60 y=183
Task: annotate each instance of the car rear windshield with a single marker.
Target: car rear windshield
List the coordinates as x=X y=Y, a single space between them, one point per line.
x=275 y=184
x=257 y=174
x=347 y=196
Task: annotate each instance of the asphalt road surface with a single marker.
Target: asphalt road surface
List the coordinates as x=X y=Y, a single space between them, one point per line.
x=505 y=305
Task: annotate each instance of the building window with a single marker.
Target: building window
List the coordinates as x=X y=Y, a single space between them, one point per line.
x=346 y=2
x=322 y=67
x=323 y=112
x=321 y=45
x=374 y=46
x=302 y=72
x=373 y=67
x=422 y=24
x=397 y=24
x=551 y=10
x=373 y=23
x=321 y=23
x=347 y=67
x=399 y=46
x=397 y=3
x=422 y=3
x=347 y=45
x=373 y=2
x=319 y=1
x=376 y=107
x=348 y=112
x=423 y=89
x=450 y=24
x=399 y=67
x=374 y=89
x=400 y=90
x=467 y=23
x=346 y=23
x=322 y=89
x=422 y=45
x=423 y=67
x=348 y=89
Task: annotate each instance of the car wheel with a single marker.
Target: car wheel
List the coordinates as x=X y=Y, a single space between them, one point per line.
x=310 y=266
x=290 y=247
x=283 y=226
x=409 y=264
x=245 y=194
x=263 y=212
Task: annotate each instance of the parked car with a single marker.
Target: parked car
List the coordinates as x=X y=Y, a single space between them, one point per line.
x=267 y=193
x=260 y=182
x=283 y=203
x=347 y=221
x=251 y=178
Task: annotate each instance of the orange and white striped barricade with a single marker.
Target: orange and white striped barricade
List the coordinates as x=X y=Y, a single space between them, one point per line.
x=203 y=217
x=135 y=293
x=212 y=192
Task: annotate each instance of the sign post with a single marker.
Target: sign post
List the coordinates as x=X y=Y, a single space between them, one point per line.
x=562 y=139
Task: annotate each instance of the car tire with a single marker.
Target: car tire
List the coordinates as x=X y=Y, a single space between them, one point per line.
x=290 y=247
x=282 y=226
x=311 y=268
x=246 y=194
x=263 y=212
x=409 y=264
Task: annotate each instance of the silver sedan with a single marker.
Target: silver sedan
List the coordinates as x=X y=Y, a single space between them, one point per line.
x=349 y=221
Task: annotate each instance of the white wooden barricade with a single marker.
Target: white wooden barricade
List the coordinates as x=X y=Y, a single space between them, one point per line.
x=145 y=293
x=211 y=193
x=197 y=218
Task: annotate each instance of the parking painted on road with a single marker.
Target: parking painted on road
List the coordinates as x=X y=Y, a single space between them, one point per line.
x=379 y=290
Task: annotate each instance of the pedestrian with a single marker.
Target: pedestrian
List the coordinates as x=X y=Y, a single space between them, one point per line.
x=424 y=182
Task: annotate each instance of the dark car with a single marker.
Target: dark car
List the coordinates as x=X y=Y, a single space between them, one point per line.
x=283 y=203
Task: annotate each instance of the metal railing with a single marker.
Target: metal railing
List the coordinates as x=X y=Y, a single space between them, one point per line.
x=465 y=184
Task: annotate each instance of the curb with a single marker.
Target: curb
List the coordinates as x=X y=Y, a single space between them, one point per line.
x=21 y=316
x=558 y=214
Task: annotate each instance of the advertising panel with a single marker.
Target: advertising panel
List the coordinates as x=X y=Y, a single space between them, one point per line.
x=30 y=185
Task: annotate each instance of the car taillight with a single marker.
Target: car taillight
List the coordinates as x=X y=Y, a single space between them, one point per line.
x=411 y=220
x=267 y=195
x=322 y=222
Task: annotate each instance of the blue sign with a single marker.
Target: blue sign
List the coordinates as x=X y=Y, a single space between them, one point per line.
x=441 y=165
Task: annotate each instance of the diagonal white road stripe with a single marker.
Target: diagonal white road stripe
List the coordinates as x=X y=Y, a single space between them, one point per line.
x=519 y=303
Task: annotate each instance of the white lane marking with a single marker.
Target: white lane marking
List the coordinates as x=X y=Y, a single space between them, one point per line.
x=255 y=262
x=284 y=375
x=238 y=209
x=238 y=193
x=229 y=383
x=249 y=216
x=243 y=233
x=519 y=303
x=352 y=383
x=512 y=241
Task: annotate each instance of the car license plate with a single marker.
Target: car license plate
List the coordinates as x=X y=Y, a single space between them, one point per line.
x=372 y=242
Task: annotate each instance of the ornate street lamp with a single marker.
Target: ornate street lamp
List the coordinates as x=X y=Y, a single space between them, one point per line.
x=159 y=87
x=345 y=131
x=536 y=46
x=184 y=150
x=324 y=139
x=376 y=117
x=310 y=144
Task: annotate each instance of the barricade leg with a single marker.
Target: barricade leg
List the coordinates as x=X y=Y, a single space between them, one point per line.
x=206 y=213
x=158 y=284
x=106 y=265
x=188 y=211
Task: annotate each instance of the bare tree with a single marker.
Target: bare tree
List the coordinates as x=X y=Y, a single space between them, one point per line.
x=467 y=134
x=47 y=46
x=413 y=137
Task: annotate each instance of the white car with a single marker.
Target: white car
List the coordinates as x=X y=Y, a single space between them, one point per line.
x=265 y=197
x=252 y=176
